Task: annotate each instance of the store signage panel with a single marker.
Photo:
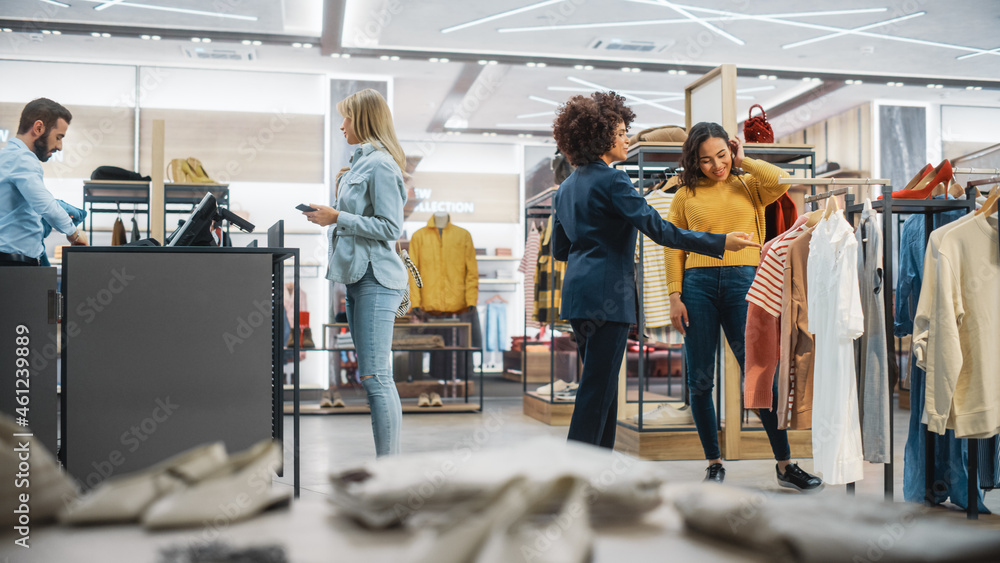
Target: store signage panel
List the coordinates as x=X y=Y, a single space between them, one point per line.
x=480 y=198
x=97 y=136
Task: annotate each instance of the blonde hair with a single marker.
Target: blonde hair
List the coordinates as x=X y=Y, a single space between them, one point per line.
x=372 y=122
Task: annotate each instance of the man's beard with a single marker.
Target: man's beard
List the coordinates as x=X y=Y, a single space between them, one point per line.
x=41 y=148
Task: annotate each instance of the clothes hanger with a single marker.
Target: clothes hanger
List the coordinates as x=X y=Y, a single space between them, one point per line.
x=956 y=190
x=814 y=217
x=496 y=298
x=831 y=206
x=990 y=207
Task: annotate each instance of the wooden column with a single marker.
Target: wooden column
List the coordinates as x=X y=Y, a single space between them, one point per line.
x=156 y=195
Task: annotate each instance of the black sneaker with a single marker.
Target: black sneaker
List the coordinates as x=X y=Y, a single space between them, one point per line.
x=715 y=473
x=795 y=478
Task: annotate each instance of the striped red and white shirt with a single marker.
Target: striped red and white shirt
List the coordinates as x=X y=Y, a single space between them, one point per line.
x=765 y=291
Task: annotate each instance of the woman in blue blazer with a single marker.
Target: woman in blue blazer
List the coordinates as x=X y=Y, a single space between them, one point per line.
x=597 y=214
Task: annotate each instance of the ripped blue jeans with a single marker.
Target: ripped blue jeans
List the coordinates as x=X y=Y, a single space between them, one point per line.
x=371 y=312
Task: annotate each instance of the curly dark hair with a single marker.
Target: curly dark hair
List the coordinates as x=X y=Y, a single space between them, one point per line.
x=584 y=127
x=698 y=134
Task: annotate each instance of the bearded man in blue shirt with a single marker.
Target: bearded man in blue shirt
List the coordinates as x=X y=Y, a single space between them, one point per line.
x=24 y=200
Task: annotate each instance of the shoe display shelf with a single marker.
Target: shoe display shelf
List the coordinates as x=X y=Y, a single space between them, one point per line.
x=738 y=438
x=122 y=196
x=457 y=394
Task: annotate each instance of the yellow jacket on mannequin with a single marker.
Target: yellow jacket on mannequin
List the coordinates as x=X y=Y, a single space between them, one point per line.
x=446 y=260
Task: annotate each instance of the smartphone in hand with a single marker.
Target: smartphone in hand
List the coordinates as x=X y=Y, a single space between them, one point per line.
x=305 y=208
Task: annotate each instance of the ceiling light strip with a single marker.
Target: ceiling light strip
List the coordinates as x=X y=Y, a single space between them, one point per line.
x=544 y=100
x=501 y=15
x=179 y=10
x=970 y=55
x=711 y=27
x=853 y=30
x=624 y=95
x=539 y=114
x=106 y=5
x=57 y=3
x=836 y=29
x=637 y=23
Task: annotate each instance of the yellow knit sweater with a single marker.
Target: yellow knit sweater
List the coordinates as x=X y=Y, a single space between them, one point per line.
x=722 y=208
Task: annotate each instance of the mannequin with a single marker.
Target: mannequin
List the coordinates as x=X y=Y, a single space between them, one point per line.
x=446 y=259
x=442 y=242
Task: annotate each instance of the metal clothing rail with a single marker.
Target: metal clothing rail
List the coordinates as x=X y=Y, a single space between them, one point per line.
x=994 y=171
x=829 y=194
x=835 y=181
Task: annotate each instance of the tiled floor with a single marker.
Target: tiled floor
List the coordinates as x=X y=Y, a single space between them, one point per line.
x=332 y=441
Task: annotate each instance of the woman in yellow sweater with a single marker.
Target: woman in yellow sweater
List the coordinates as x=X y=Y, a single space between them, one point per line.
x=708 y=293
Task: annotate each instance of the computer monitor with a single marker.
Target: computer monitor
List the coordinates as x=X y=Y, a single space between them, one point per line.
x=197 y=229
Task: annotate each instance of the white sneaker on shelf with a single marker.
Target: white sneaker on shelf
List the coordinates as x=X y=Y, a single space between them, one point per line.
x=559 y=386
x=667 y=414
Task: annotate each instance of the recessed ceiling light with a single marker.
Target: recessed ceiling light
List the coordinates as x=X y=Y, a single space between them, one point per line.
x=57 y=3
x=156 y=38
x=105 y=35
x=148 y=37
x=682 y=72
x=672 y=71
x=939 y=86
x=493 y=62
x=196 y=39
x=588 y=67
x=542 y=65
x=297 y=45
x=532 y=65
x=394 y=58
x=772 y=77
x=46 y=32
x=206 y=39
x=977 y=88
x=345 y=56
x=307 y=45
x=806 y=79
x=56 y=32
x=930 y=85
x=763 y=77
x=483 y=62
x=444 y=60
x=8 y=30
x=433 y=59
x=384 y=58
x=626 y=69
x=335 y=55
x=257 y=43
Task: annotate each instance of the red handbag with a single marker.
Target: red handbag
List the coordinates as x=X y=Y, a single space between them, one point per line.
x=757 y=129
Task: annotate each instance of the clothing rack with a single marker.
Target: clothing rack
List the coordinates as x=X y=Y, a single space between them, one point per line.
x=927 y=207
x=541 y=206
x=887 y=296
x=972 y=504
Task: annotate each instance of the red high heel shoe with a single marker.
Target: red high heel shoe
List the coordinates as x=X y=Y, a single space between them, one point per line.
x=913 y=182
x=924 y=187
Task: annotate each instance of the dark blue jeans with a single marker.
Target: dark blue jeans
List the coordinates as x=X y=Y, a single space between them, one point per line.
x=716 y=297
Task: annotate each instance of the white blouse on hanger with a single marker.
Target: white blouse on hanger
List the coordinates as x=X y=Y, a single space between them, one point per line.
x=836 y=318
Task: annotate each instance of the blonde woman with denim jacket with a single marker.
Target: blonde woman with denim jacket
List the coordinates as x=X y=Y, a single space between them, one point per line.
x=365 y=222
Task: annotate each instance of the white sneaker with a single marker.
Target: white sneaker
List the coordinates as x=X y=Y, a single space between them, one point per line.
x=559 y=386
x=667 y=414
